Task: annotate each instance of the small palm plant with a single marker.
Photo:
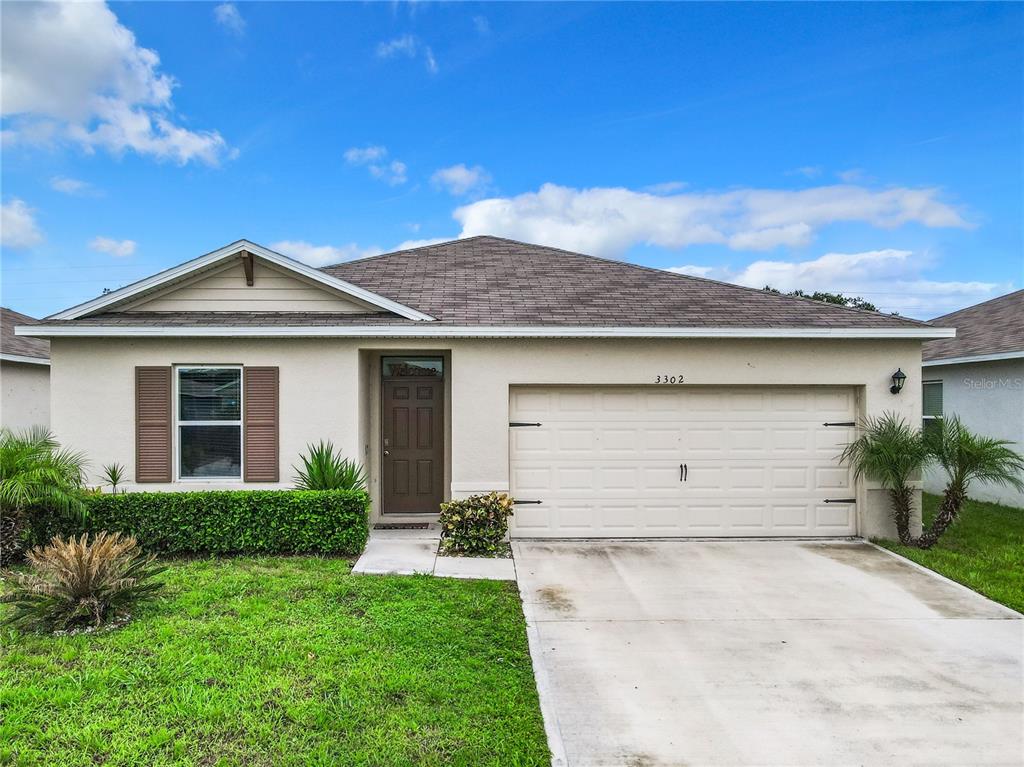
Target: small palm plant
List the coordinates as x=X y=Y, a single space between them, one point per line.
x=79 y=582
x=114 y=474
x=891 y=452
x=35 y=473
x=967 y=457
x=324 y=469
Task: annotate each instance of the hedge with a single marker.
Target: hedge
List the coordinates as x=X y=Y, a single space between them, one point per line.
x=475 y=526
x=228 y=521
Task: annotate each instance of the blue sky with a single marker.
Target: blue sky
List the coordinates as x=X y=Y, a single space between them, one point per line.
x=875 y=149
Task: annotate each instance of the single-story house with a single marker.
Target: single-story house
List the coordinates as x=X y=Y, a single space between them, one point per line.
x=24 y=375
x=979 y=376
x=610 y=400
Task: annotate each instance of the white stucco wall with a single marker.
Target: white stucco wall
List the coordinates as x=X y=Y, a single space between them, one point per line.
x=24 y=395
x=326 y=391
x=989 y=398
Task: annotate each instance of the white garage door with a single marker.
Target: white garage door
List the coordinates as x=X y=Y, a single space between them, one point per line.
x=700 y=461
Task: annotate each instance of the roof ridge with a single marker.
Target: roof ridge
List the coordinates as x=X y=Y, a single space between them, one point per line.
x=978 y=305
x=654 y=269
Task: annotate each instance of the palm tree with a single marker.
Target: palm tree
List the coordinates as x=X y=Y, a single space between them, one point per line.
x=967 y=457
x=35 y=473
x=890 y=451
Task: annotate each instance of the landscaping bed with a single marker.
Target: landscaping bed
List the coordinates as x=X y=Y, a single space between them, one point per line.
x=282 y=661
x=984 y=550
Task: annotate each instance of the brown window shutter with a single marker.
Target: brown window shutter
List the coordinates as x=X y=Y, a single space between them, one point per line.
x=152 y=424
x=261 y=424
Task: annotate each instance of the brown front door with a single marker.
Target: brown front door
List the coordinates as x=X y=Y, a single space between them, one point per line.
x=412 y=442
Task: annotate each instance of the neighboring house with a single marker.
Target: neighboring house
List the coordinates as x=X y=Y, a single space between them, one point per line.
x=24 y=375
x=979 y=376
x=608 y=399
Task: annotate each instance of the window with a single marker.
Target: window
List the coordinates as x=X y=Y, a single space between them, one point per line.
x=418 y=367
x=209 y=422
x=932 y=403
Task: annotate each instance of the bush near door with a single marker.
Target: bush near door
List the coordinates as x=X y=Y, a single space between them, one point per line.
x=475 y=526
x=229 y=521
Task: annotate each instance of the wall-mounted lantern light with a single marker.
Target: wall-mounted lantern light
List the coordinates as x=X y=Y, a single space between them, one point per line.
x=898 y=379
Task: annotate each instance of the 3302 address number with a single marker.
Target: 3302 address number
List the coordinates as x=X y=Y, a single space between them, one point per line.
x=667 y=379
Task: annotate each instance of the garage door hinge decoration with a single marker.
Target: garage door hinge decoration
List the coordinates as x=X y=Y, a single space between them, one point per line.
x=522 y=423
x=840 y=500
x=840 y=423
x=517 y=501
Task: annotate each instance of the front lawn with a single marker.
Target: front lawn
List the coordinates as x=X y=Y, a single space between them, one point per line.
x=983 y=550
x=282 y=661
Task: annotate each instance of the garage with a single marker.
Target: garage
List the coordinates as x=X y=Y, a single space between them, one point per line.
x=672 y=461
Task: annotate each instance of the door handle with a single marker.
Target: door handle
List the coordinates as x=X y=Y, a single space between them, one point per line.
x=684 y=472
x=387 y=452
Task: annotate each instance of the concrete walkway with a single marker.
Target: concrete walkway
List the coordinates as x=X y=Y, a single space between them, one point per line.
x=410 y=552
x=767 y=653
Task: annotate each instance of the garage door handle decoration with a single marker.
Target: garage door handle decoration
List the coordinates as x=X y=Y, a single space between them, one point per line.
x=684 y=472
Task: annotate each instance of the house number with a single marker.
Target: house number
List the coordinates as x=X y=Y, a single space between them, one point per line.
x=667 y=379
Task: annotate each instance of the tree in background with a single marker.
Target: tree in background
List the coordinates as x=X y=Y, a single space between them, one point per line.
x=854 y=302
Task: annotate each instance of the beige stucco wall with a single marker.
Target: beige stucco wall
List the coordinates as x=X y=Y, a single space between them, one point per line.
x=225 y=290
x=327 y=388
x=24 y=395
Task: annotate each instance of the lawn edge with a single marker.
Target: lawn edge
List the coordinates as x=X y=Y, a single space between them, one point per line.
x=1014 y=615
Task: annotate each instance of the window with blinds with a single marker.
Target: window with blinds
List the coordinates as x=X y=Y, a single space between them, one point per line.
x=931 y=403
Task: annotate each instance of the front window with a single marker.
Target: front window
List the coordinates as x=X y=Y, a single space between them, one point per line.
x=931 y=404
x=209 y=423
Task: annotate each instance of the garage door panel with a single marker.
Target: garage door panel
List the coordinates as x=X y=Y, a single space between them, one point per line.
x=606 y=462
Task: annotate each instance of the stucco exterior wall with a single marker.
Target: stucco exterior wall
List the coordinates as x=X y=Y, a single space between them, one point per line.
x=24 y=395
x=989 y=398
x=327 y=391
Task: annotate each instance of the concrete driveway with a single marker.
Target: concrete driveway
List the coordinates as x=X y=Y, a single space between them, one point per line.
x=767 y=653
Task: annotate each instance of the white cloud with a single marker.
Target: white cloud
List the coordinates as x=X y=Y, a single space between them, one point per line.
x=73 y=72
x=665 y=187
x=18 y=227
x=405 y=45
x=460 y=180
x=606 y=221
x=893 y=280
x=393 y=172
x=410 y=244
x=227 y=15
x=117 y=248
x=322 y=255
x=72 y=186
x=853 y=176
x=807 y=171
x=410 y=47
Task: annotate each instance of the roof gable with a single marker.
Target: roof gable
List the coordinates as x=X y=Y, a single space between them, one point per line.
x=158 y=284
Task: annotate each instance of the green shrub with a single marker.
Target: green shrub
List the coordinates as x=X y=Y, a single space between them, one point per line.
x=475 y=526
x=79 y=582
x=323 y=469
x=229 y=521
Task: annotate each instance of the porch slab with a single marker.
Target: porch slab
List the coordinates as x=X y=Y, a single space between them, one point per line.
x=396 y=556
x=479 y=568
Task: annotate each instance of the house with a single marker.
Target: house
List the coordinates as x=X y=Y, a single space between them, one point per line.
x=24 y=375
x=609 y=399
x=979 y=376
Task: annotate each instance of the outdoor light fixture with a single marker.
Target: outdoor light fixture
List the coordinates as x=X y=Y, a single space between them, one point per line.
x=898 y=379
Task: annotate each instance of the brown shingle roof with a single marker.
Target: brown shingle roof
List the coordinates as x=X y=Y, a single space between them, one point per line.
x=992 y=327
x=21 y=346
x=494 y=281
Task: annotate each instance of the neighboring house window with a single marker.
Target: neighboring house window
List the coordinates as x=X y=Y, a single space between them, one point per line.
x=932 y=403
x=209 y=426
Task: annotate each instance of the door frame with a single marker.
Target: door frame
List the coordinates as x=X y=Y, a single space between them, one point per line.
x=374 y=446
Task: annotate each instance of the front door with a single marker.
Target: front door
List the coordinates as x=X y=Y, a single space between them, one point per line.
x=412 y=439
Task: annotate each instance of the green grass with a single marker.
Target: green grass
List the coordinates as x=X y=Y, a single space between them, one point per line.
x=282 y=661
x=983 y=550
